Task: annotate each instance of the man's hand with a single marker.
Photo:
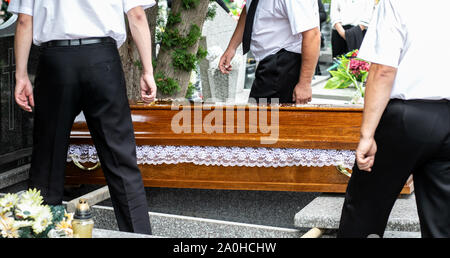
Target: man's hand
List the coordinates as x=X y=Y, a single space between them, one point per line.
x=22 y=44
x=24 y=93
x=302 y=94
x=365 y=154
x=310 y=56
x=225 y=61
x=148 y=88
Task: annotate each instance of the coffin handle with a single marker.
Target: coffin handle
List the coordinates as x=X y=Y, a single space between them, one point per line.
x=343 y=170
x=80 y=166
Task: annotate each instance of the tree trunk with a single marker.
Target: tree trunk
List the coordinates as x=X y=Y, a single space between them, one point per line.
x=130 y=56
x=197 y=16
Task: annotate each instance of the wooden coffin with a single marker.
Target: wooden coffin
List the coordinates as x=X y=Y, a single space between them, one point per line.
x=308 y=127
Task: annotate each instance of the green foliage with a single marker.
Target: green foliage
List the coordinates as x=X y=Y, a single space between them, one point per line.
x=190 y=90
x=190 y=4
x=173 y=18
x=166 y=85
x=193 y=36
x=350 y=72
x=212 y=11
x=172 y=38
x=183 y=60
x=201 y=53
x=138 y=64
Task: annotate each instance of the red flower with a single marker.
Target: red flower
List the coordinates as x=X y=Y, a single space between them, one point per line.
x=359 y=65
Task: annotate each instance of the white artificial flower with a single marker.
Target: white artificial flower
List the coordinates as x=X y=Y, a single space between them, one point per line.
x=68 y=217
x=43 y=220
x=7 y=228
x=23 y=223
x=26 y=210
x=8 y=202
x=31 y=196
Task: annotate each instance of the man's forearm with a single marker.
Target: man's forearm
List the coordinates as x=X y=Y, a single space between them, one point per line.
x=378 y=90
x=310 y=55
x=22 y=44
x=238 y=34
x=140 y=31
x=340 y=29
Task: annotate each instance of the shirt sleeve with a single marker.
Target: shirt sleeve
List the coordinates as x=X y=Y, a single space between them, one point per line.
x=130 y=4
x=368 y=12
x=385 y=37
x=21 y=6
x=303 y=15
x=335 y=13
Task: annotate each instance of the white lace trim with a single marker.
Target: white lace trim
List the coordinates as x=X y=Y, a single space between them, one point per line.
x=227 y=156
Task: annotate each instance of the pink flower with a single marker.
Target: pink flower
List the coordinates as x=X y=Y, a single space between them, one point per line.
x=359 y=65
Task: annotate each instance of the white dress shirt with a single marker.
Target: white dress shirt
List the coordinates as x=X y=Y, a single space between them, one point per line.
x=279 y=24
x=75 y=19
x=351 y=12
x=417 y=47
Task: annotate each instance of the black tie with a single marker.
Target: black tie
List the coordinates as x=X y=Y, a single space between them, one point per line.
x=249 y=20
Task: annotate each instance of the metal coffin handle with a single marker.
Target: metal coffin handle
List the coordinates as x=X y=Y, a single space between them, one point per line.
x=343 y=170
x=80 y=166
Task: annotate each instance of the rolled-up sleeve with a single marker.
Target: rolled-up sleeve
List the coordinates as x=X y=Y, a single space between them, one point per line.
x=385 y=38
x=21 y=6
x=335 y=13
x=130 y=4
x=303 y=15
x=368 y=12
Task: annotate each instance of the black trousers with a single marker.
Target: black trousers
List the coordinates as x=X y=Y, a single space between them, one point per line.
x=87 y=78
x=413 y=137
x=276 y=77
x=338 y=44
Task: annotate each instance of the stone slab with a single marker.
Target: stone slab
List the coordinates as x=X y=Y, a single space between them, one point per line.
x=325 y=212
x=104 y=233
x=14 y=176
x=93 y=198
x=175 y=226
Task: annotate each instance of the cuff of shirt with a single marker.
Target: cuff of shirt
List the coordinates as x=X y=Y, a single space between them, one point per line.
x=23 y=10
x=333 y=23
x=378 y=59
x=130 y=4
x=297 y=30
x=365 y=23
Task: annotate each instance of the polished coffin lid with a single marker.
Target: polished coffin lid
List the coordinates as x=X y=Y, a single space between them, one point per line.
x=279 y=126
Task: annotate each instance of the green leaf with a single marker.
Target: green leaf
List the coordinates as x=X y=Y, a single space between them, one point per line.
x=345 y=84
x=342 y=75
x=333 y=83
x=364 y=76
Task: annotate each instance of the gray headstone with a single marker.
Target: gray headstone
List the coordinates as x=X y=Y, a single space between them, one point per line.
x=15 y=124
x=217 y=34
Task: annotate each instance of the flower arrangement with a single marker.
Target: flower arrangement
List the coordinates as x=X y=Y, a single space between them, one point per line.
x=235 y=7
x=23 y=215
x=351 y=71
x=4 y=15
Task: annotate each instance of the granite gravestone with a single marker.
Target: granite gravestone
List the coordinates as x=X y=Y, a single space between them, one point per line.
x=216 y=36
x=15 y=124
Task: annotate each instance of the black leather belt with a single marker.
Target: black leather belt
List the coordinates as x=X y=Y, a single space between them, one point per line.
x=77 y=42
